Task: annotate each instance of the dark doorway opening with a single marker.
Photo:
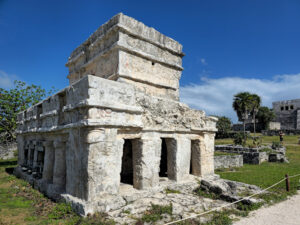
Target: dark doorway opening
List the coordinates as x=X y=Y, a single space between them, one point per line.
x=194 y=163
x=191 y=162
x=163 y=172
x=127 y=163
x=25 y=157
x=31 y=157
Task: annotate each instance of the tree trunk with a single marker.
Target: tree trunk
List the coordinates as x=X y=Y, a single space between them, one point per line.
x=254 y=124
x=244 y=124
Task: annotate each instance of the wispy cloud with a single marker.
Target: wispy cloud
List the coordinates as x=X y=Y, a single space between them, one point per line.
x=7 y=80
x=203 y=61
x=215 y=96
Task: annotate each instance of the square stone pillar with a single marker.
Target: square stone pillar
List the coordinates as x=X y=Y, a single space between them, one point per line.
x=30 y=158
x=104 y=162
x=59 y=170
x=77 y=163
x=48 y=161
x=203 y=155
x=35 y=155
x=21 y=150
x=146 y=159
x=179 y=155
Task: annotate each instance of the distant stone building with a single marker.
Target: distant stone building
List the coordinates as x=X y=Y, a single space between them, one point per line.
x=287 y=114
x=119 y=123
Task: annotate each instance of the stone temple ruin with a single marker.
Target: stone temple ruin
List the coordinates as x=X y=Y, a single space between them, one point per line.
x=119 y=122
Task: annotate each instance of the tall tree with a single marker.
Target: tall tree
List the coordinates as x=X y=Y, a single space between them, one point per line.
x=15 y=100
x=256 y=101
x=265 y=116
x=242 y=104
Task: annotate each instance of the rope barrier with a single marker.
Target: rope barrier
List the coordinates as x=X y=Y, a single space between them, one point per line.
x=232 y=203
x=297 y=175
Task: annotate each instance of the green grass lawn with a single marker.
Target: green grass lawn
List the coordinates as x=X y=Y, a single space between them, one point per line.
x=287 y=140
x=21 y=204
x=266 y=174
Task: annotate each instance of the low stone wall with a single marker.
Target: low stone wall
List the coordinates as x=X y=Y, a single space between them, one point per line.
x=235 y=149
x=276 y=132
x=228 y=161
x=255 y=155
x=7 y=150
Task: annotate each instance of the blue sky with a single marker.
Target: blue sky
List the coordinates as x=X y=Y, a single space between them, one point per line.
x=230 y=46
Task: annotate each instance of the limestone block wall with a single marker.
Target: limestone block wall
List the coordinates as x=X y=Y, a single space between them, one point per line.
x=298 y=119
x=228 y=161
x=118 y=123
x=125 y=50
x=274 y=126
x=73 y=141
x=287 y=113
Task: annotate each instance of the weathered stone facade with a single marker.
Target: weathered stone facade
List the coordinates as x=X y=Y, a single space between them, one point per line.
x=228 y=161
x=119 y=122
x=287 y=114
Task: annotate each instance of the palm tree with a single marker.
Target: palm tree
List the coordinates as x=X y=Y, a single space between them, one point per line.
x=256 y=100
x=242 y=104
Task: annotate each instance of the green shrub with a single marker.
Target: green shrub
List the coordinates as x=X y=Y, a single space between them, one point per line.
x=156 y=211
x=206 y=194
x=268 y=150
x=251 y=207
x=60 y=211
x=276 y=145
x=220 y=218
x=238 y=138
x=16 y=153
x=257 y=141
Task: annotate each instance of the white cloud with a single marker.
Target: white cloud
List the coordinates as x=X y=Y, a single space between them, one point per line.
x=215 y=96
x=203 y=61
x=6 y=80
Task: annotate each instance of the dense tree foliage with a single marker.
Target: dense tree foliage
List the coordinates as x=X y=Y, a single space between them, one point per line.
x=15 y=100
x=265 y=116
x=246 y=104
x=243 y=105
x=223 y=126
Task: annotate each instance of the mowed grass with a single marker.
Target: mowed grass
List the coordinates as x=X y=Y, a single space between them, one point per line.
x=267 y=140
x=266 y=174
x=21 y=204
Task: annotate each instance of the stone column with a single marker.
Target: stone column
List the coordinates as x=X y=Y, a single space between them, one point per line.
x=59 y=172
x=21 y=152
x=76 y=163
x=146 y=159
x=48 y=161
x=179 y=154
x=35 y=155
x=104 y=151
x=203 y=155
x=31 y=153
x=298 y=120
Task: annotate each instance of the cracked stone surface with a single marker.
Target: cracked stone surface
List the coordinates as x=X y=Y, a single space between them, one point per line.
x=185 y=203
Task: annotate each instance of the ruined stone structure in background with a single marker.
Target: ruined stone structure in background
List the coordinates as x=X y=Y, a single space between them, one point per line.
x=287 y=114
x=119 y=123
